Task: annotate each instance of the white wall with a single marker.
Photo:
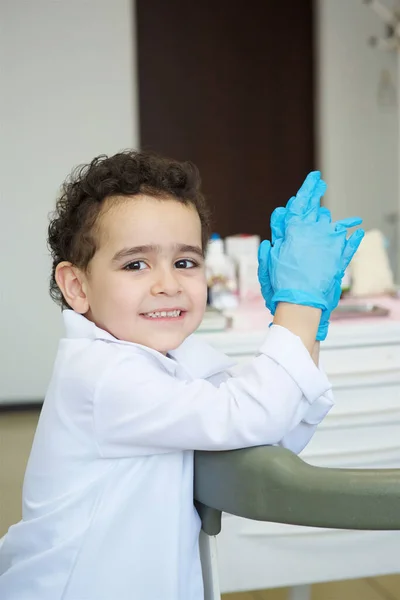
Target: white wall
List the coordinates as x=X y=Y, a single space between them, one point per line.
x=67 y=93
x=358 y=135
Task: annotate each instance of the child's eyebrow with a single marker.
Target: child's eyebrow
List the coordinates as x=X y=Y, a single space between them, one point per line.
x=155 y=249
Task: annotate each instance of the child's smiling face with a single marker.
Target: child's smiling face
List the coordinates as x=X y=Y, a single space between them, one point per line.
x=146 y=282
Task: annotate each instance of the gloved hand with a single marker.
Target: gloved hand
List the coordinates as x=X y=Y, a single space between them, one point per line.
x=278 y=220
x=323 y=289
x=312 y=187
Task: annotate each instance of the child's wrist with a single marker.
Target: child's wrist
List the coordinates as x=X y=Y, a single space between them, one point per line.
x=302 y=321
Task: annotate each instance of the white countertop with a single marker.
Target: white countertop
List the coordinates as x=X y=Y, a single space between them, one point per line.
x=250 y=326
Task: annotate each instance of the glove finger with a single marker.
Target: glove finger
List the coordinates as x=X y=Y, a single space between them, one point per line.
x=308 y=186
x=263 y=254
x=299 y=203
x=324 y=215
x=351 y=247
x=263 y=271
x=278 y=224
x=290 y=203
x=314 y=204
x=307 y=213
x=349 y=222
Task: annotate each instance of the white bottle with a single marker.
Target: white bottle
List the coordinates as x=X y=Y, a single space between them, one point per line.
x=243 y=249
x=221 y=275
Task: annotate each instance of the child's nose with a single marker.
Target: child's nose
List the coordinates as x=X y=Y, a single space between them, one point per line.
x=166 y=282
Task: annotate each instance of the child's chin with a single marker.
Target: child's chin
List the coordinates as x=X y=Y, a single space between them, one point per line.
x=168 y=343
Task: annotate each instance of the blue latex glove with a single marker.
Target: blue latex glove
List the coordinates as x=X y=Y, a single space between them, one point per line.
x=302 y=233
x=305 y=203
x=278 y=222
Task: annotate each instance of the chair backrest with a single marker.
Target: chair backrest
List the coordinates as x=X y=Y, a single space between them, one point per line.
x=270 y=483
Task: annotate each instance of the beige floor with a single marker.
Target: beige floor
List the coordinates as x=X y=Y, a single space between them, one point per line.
x=16 y=434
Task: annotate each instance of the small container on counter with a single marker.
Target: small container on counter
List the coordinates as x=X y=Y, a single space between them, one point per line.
x=221 y=275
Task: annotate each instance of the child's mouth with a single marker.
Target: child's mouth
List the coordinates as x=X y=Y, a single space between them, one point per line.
x=164 y=315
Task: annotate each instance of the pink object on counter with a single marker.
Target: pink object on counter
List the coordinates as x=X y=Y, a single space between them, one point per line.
x=254 y=315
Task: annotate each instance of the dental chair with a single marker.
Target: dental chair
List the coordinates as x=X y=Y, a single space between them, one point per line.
x=270 y=483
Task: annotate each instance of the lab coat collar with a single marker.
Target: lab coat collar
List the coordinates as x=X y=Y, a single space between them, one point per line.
x=198 y=358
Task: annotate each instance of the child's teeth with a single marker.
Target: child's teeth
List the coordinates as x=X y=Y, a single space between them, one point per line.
x=163 y=313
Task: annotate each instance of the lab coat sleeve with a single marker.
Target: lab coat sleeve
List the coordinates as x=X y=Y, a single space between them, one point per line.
x=141 y=409
x=300 y=435
x=298 y=438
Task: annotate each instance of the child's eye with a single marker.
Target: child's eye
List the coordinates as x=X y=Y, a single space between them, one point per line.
x=137 y=265
x=186 y=263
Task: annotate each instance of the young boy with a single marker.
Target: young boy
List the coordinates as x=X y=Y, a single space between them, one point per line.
x=108 y=493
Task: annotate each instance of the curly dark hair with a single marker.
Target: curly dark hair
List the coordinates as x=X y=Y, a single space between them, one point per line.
x=73 y=225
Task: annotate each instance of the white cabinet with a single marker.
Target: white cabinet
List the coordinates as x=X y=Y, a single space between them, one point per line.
x=362 y=361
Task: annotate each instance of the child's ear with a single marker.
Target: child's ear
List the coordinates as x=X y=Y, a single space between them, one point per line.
x=70 y=280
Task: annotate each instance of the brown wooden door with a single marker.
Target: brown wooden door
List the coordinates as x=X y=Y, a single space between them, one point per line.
x=229 y=85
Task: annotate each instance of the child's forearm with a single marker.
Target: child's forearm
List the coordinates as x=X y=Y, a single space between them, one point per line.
x=303 y=321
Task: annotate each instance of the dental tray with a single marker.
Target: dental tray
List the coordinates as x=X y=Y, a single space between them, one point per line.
x=359 y=311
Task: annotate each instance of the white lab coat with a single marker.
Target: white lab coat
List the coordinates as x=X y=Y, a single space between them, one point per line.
x=108 y=492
